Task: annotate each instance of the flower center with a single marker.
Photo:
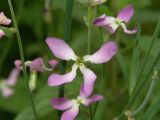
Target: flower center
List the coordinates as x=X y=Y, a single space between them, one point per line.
x=79 y=61
x=118 y=21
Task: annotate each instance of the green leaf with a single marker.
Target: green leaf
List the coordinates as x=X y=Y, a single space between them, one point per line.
x=152 y=110
x=122 y=64
x=135 y=63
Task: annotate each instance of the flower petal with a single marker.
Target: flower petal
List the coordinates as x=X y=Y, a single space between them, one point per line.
x=53 y=63
x=60 y=49
x=107 y=22
x=61 y=103
x=92 y=99
x=1 y=33
x=4 y=20
x=37 y=65
x=18 y=64
x=56 y=79
x=100 y=21
x=70 y=114
x=126 y=14
x=7 y=92
x=89 y=79
x=104 y=54
x=129 y=31
x=13 y=77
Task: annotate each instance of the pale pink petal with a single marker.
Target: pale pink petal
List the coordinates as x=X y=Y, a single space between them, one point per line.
x=53 y=63
x=104 y=54
x=60 y=49
x=126 y=14
x=13 y=77
x=7 y=92
x=1 y=33
x=18 y=64
x=61 y=103
x=56 y=79
x=135 y=29
x=70 y=114
x=37 y=65
x=89 y=79
x=107 y=22
x=100 y=21
x=92 y=99
x=4 y=20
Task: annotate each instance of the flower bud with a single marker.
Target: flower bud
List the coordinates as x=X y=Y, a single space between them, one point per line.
x=33 y=80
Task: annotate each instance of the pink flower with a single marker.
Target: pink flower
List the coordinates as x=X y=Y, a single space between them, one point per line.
x=62 y=50
x=3 y=21
x=7 y=84
x=112 y=23
x=71 y=107
x=36 y=65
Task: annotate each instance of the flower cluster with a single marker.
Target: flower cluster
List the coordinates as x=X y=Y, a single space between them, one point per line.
x=63 y=51
x=3 y=21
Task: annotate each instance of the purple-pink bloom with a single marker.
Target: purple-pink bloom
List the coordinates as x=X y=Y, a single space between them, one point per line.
x=63 y=51
x=111 y=23
x=71 y=107
x=36 y=65
x=7 y=84
x=3 y=21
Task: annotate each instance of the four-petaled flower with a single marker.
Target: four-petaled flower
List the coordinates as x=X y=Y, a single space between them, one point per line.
x=62 y=50
x=3 y=21
x=112 y=23
x=7 y=84
x=71 y=107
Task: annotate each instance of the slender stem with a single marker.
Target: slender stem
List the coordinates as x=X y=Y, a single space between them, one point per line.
x=67 y=34
x=22 y=57
x=137 y=92
x=139 y=109
x=90 y=17
x=150 y=48
x=4 y=54
x=104 y=77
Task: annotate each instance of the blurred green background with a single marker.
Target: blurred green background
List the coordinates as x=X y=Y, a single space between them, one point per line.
x=36 y=23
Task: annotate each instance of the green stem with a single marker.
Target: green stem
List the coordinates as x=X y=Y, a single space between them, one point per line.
x=90 y=17
x=141 y=84
x=104 y=77
x=67 y=34
x=140 y=108
x=150 y=48
x=137 y=92
x=22 y=57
